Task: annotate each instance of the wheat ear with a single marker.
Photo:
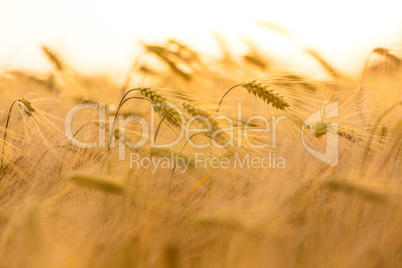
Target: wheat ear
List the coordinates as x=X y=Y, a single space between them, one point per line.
x=263 y=92
x=266 y=94
x=161 y=106
x=319 y=129
x=25 y=107
x=53 y=58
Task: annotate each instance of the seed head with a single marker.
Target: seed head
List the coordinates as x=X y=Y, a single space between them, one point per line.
x=25 y=107
x=266 y=94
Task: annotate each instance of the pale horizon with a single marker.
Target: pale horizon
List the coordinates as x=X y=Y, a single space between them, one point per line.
x=103 y=37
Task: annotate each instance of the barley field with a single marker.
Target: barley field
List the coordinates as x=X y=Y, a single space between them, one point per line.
x=200 y=161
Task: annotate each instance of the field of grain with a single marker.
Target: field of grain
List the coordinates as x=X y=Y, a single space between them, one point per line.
x=86 y=182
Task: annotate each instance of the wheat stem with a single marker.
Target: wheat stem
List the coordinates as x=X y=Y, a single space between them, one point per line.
x=366 y=150
x=224 y=95
x=5 y=136
x=174 y=165
x=122 y=102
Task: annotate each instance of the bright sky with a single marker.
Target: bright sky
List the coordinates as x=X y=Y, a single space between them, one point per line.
x=102 y=36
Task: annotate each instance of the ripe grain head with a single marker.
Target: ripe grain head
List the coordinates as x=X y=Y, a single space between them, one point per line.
x=266 y=94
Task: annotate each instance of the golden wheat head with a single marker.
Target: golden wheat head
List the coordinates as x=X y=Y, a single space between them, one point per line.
x=161 y=106
x=25 y=107
x=268 y=95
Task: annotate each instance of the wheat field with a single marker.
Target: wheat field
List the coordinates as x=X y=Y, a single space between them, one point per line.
x=84 y=181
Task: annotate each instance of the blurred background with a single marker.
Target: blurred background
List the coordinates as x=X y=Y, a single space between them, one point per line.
x=104 y=36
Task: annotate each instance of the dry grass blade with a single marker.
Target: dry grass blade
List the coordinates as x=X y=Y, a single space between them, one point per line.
x=94 y=182
x=367 y=149
x=354 y=189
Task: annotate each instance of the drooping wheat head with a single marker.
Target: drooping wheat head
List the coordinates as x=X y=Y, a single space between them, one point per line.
x=25 y=107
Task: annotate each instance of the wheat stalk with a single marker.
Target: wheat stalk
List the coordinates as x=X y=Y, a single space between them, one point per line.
x=367 y=149
x=27 y=110
x=159 y=104
x=358 y=190
x=93 y=181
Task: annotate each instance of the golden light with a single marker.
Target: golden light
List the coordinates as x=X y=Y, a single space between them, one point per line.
x=102 y=36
